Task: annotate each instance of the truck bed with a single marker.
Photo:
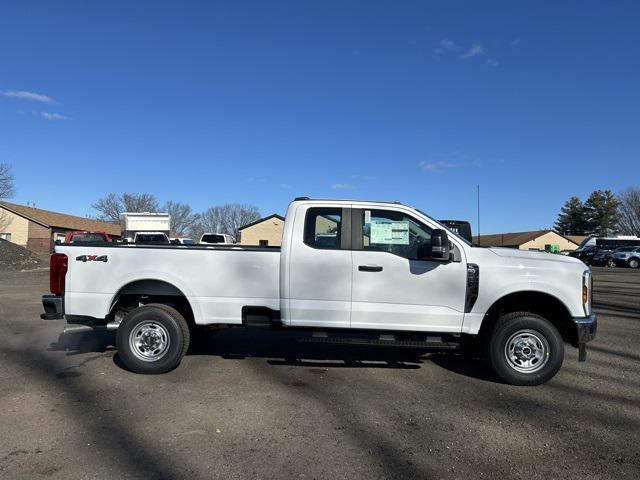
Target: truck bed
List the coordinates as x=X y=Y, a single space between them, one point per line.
x=216 y=280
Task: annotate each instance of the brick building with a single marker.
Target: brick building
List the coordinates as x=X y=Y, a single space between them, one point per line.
x=38 y=229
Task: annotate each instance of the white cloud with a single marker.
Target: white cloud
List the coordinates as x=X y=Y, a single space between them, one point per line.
x=493 y=62
x=31 y=96
x=450 y=48
x=450 y=45
x=476 y=49
x=53 y=116
x=343 y=186
x=446 y=46
x=438 y=166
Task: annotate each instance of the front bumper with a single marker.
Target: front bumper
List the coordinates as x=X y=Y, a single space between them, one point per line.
x=53 y=307
x=586 y=328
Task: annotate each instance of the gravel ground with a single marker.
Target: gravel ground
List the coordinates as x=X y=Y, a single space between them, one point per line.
x=250 y=405
x=16 y=258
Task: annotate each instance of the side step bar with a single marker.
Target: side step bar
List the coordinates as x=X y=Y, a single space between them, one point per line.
x=435 y=343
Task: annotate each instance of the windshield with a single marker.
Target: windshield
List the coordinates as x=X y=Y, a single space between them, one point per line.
x=87 y=237
x=151 y=238
x=213 y=238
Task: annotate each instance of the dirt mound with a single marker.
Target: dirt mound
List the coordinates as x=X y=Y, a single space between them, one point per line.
x=15 y=258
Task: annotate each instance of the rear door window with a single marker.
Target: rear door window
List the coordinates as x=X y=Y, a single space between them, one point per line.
x=322 y=228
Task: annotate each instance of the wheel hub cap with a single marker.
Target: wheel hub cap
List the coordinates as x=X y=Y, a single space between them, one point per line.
x=149 y=341
x=527 y=351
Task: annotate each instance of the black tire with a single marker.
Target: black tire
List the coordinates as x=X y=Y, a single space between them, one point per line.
x=167 y=325
x=633 y=263
x=524 y=330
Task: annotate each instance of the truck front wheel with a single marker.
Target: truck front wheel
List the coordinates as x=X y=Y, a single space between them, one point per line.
x=152 y=339
x=525 y=349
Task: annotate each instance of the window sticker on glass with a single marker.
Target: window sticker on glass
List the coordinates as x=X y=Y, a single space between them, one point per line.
x=389 y=233
x=367 y=216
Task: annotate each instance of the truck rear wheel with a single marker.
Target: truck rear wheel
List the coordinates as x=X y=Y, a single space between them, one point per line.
x=152 y=339
x=525 y=349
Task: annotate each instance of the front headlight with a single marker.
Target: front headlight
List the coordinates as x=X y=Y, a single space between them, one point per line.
x=587 y=291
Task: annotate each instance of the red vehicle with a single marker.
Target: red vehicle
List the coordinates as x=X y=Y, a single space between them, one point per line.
x=84 y=236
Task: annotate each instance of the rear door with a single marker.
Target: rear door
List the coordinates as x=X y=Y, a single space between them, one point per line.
x=320 y=276
x=392 y=288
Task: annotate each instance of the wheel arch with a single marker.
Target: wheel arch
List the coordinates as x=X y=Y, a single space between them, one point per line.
x=152 y=290
x=541 y=303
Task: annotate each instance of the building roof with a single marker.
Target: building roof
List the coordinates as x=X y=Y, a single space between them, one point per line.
x=513 y=239
x=48 y=219
x=577 y=239
x=279 y=217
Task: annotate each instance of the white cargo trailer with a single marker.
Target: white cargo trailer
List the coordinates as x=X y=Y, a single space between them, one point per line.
x=133 y=222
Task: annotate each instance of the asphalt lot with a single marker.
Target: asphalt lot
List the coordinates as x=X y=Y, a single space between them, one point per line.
x=250 y=405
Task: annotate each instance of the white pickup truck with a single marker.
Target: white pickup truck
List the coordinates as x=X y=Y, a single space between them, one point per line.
x=367 y=273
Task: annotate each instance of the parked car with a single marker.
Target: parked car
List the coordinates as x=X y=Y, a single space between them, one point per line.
x=348 y=272
x=217 y=239
x=85 y=236
x=151 y=238
x=627 y=258
x=182 y=241
x=461 y=227
x=585 y=254
x=603 y=258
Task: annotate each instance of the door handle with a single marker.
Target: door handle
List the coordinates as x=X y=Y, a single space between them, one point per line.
x=370 y=268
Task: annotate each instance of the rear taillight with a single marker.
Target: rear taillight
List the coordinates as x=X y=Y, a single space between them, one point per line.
x=57 y=273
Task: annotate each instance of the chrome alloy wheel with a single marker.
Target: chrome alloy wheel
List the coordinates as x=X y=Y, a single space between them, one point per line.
x=149 y=341
x=527 y=351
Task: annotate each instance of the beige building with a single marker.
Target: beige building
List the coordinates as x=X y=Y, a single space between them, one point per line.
x=536 y=240
x=38 y=229
x=264 y=232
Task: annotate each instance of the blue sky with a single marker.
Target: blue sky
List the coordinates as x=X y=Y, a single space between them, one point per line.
x=259 y=102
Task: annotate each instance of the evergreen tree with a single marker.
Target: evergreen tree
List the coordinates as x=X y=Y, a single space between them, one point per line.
x=602 y=212
x=571 y=219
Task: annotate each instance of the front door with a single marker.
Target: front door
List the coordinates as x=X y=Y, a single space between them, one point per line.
x=320 y=271
x=392 y=288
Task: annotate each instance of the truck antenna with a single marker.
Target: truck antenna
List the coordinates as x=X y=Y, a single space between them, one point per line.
x=478 y=240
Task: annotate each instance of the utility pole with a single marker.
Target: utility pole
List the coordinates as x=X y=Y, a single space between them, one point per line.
x=478 y=241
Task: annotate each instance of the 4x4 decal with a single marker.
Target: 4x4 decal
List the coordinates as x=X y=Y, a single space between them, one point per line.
x=91 y=258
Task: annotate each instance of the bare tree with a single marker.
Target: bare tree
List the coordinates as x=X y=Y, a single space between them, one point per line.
x=629 y=209
x=237 y=215
x=225 y=219
x=110 y=207
x=208 y=221
x=6 y=181
x=182 y=217
x=6 y=191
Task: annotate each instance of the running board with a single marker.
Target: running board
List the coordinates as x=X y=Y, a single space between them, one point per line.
x=435 y=343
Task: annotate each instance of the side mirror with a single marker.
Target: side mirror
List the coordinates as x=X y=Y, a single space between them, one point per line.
x=440 y=245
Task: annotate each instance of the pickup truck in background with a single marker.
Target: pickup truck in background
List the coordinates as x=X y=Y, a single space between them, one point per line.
x=356 y=272
x=85 y=236
x=216 y=239
x=151 y=238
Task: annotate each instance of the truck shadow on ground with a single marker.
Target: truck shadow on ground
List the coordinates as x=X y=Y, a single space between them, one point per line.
x=284 y=348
